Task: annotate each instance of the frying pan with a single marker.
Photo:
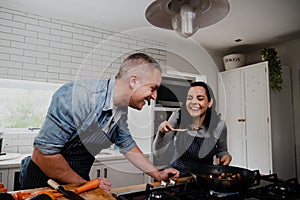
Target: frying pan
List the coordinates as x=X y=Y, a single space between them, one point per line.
x=202 y=176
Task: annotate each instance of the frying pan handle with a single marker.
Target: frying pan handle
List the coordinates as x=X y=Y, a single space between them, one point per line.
x=257 y=178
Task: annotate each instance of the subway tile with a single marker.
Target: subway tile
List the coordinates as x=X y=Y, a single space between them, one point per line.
x=12 y=23
x=59 y=57
x=50 y=24
x=82 y=37
x=20 y=72
x=12 y=37
x=61 y=33
x=23 y=45
x=47 y=36
x=37 y=41
x=60 y=45
x=24 y=19
x=24 y=32
x=71 y=29
x=36 y=28
x=36 y=54
x=47 y=62
x=9 y=64
x=25 y=149
x=34 y=67
x=22 y=59
x=48 y=49
x=5 y=29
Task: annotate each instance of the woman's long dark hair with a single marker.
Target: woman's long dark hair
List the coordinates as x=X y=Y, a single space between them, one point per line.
x=211 y=118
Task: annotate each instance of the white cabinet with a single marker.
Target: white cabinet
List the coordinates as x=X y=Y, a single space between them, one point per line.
x=259 y=122
x=4 y=177
x=10 y=178
x=120 y=172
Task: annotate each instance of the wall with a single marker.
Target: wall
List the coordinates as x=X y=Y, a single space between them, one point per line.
x=289 y=55
x=38 y=48
x=43 y=49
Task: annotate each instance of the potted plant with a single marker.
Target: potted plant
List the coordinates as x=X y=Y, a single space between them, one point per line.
x=275 y=74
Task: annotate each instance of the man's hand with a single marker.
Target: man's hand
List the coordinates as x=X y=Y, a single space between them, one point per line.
x=169 y=173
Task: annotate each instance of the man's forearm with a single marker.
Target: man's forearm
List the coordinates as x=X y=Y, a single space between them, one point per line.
x=136 y=157
x=56 y=167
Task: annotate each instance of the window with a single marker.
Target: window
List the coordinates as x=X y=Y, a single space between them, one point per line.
x=24 y=104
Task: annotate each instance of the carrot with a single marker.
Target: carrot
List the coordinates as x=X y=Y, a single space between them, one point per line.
x=92 y=184
x=3 y=189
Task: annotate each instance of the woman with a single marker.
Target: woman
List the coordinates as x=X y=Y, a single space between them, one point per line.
x=197 y=133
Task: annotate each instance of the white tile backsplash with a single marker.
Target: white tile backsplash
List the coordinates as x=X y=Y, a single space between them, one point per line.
x=18 y=141
x=39 y=48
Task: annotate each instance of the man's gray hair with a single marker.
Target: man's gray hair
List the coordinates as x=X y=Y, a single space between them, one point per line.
x=137 y=60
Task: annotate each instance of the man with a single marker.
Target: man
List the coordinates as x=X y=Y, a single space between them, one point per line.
x=87 y=116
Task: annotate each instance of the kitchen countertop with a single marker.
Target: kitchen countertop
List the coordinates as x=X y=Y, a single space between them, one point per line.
x=12 y=163
x=104 y=155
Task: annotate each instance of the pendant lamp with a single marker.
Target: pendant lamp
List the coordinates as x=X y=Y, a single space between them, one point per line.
x=186 y=16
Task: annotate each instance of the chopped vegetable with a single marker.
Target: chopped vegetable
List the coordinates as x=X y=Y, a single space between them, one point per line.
x=92 y=184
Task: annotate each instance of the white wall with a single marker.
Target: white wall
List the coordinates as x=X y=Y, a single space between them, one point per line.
x=38 y=48
x=43 y=49
x=188 y=52
x=289 y=55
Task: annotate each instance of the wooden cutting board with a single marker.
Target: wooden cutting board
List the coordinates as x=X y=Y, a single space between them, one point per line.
x=95 y=194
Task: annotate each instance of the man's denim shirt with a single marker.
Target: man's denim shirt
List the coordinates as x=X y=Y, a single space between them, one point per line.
x=77 y=107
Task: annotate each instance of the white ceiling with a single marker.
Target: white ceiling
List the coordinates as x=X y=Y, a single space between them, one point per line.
x=257 y=23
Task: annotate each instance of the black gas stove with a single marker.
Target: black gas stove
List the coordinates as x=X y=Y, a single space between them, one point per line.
x=268 y=187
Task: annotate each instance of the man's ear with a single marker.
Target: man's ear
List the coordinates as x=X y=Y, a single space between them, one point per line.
x=132 y=81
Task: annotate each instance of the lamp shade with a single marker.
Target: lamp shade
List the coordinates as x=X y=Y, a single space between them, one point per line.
x=186 y=16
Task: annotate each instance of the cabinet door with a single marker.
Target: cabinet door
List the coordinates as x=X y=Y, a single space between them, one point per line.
x=122 y=173
x=231 y=104
x=257 y=115
x=96 y=171
x=13 y=179
x=4 y=177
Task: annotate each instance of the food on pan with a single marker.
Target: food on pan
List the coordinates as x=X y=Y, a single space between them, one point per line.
x=224 y=176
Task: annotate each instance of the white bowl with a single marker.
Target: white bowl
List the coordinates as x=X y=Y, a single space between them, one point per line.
x=233 y=61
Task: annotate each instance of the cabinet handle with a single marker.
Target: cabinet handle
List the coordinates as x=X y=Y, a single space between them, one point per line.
x=98 y=173
x=105 y=172
x=241 y=120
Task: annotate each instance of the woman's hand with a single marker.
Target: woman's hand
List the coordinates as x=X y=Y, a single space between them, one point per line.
x=225 y=160
x=165 y=127
x=105 y=184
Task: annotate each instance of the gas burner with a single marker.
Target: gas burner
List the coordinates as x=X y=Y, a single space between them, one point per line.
x=156 y=195
x=223 y=194
x=269 y=187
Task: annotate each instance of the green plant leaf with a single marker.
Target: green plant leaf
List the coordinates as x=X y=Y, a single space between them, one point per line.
x=274 y=65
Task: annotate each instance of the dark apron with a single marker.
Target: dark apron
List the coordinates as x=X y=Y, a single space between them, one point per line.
x=188 y=155
x=79 y=152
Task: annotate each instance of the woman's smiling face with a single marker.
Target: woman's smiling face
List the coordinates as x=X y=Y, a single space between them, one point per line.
x=197 y=101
